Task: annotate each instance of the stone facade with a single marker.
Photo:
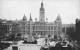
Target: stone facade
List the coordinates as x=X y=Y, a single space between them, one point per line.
x=41 y=27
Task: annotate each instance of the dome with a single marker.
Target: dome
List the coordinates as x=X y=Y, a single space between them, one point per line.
x=24 y=18
x=58 y=18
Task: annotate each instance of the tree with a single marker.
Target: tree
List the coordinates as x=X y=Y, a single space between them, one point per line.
x=16 y=28
x=11 y=37
x=19 y=34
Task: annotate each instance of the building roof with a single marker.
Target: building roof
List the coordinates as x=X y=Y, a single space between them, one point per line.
x=58 y=18
x=24 y=18
x=68 y=25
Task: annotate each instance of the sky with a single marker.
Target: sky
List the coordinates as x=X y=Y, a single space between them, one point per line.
x=69 y=10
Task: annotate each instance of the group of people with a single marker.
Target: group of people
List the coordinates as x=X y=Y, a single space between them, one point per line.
x=60 y=45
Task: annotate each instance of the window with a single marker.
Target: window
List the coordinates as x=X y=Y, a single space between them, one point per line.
x=51 y=28
x=54 y=28
x=33 y=28
x=59 y=28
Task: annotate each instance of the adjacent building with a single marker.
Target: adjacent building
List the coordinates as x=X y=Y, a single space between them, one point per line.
x=66 y=26
x=77 y=25
x=5 y=27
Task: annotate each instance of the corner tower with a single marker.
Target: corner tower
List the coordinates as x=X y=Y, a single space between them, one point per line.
x=42 y=13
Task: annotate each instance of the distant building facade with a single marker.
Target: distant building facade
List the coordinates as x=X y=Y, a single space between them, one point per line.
x=66 y=26
x=41 y=27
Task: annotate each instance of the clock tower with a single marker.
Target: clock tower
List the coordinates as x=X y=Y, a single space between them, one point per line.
x=42 y=13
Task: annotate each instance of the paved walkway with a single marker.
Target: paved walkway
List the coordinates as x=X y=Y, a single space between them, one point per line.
x=22 y=46
x=26 y=47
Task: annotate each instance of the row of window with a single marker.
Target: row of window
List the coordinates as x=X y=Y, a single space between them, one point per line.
x=43 y=32
x=42 y=28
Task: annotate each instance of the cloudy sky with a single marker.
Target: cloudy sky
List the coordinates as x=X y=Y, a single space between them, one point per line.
x=69 y=10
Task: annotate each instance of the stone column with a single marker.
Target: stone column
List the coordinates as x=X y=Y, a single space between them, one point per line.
x=30 y=29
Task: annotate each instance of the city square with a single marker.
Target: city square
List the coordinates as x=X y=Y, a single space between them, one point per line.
x=40 y=34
